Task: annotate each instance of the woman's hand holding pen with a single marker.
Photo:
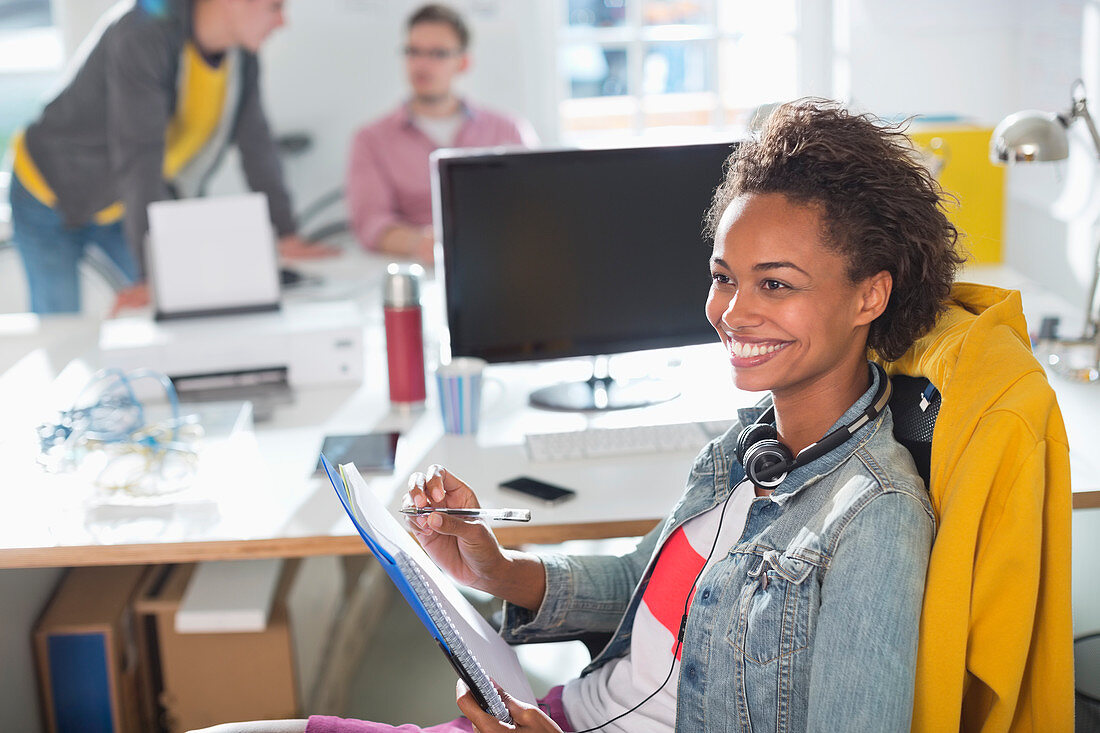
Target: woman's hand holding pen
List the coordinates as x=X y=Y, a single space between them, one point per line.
x=468 y=550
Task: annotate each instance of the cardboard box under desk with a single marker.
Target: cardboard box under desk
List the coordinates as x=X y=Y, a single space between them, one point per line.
x=200 y=680
x=84 y=649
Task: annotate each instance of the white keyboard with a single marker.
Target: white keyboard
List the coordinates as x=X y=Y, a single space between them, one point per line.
x=603 y=442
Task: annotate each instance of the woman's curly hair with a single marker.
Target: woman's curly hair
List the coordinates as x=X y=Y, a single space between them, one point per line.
x=882 y=209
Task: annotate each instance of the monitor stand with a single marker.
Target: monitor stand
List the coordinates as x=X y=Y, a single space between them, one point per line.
x=602 y=392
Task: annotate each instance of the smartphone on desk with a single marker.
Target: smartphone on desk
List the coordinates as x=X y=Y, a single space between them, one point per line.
x=533 y=488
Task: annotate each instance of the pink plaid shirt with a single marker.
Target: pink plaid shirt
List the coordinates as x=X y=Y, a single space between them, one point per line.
x=389 y=181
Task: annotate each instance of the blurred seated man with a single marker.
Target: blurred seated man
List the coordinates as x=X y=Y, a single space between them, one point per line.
x=388 y=186
x=161 y=90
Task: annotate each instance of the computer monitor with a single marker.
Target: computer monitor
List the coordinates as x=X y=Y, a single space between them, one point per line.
x=566 y=253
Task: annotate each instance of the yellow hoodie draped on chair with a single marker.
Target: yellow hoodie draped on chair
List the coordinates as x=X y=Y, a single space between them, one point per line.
x=996 y=639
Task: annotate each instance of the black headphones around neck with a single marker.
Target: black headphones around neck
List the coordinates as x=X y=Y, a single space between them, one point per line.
x=767 y=461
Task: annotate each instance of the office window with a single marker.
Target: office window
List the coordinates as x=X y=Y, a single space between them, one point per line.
x=638 y=66
x=30 y=62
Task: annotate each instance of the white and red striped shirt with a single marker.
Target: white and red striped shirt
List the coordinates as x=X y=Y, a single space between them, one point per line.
x=623 y=683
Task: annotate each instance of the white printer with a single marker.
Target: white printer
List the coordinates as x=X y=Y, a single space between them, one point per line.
x=219 y=325
x=300 y=344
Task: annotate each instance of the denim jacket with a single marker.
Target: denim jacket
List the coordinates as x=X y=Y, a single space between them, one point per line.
x=809 y=622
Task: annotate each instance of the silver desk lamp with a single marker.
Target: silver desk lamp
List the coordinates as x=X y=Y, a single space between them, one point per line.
x=1030 y=136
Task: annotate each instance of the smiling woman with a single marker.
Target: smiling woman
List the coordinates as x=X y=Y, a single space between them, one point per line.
x=877 y=207
x=827 y=241
x=779 y=298
x=784 y=591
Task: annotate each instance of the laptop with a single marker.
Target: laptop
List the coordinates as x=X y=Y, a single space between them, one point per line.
x=212 y=256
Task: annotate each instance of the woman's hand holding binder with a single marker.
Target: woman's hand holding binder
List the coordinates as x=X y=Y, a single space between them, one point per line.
x=468 y=550
x=525 y=718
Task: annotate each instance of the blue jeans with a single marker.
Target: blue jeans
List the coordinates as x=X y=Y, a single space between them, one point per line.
x=52 y=251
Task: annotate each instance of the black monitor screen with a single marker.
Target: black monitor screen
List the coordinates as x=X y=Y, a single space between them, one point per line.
x=574 y=253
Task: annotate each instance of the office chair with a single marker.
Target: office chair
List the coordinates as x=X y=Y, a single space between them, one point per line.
x=315 y=209
x=914 y=406
x=295 y=144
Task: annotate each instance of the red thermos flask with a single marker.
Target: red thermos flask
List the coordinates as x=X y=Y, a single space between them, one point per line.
x=404 y=333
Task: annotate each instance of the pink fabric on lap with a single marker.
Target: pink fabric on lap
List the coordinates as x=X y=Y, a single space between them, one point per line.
x=553 y=706
x=328 y=724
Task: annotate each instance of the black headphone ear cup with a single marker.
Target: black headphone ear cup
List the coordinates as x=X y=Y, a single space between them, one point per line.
x=754 y=434
x=763 y=455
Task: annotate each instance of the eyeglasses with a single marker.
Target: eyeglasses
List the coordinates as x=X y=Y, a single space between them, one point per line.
x=435 y=54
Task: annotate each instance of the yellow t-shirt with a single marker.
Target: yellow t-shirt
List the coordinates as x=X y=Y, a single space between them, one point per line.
x=198 y=112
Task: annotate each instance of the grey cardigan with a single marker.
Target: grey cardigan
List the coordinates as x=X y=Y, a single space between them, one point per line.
x=101 y=139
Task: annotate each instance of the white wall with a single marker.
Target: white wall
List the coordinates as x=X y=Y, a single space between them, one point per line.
x=76 y=18
x=934 y=57
x=983 y=60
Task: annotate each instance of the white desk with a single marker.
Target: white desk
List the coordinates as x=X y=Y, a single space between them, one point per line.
x=269 y=505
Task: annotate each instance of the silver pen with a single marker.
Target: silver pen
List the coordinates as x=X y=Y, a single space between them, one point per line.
x=507 y=515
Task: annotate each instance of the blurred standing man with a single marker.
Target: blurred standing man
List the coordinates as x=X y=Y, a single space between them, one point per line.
x=388 y=187
x=160 y=89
